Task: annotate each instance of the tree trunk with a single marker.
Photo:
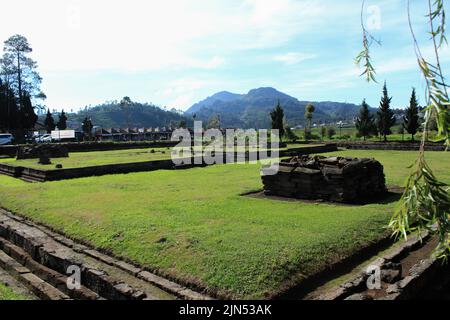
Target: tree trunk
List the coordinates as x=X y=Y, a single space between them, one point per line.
x=19 y=78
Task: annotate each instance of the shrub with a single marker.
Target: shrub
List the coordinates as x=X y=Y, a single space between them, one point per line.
x=331 y=132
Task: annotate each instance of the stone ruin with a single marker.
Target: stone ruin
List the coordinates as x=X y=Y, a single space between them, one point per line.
x=43 y=151
x=336 y=179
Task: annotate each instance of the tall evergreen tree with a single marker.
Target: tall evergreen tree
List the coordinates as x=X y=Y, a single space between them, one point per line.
x=365 y=122
x=49 y=122
x=62 y=121
x=9 y=115
x=27 y=115
x=411 y=119
x=20 y=69
x=385 y=115
x=277 y=116
x=87 y=127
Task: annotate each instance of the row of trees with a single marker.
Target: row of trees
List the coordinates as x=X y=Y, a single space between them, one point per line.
x=366 y=123
x=19 y=86
x=381 y=124
x=50 y=124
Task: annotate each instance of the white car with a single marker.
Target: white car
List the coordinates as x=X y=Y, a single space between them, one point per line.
x=6 y=138
x=45 y=138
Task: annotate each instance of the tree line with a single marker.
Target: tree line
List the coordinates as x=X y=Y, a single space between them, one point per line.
x=367 y=124
x=19 y=91
x=19 y=86
x=381 y=124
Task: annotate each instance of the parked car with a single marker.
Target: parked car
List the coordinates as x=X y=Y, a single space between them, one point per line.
x=6 y=138
x=45 y=138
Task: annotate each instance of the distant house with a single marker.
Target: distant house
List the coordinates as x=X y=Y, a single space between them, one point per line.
x=133 y=134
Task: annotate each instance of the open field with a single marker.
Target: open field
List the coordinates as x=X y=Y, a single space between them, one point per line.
x=95 y=158
x=195 y=226
x=98 y=158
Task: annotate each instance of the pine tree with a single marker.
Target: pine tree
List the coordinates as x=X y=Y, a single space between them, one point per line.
x=411 y=119
x=385 y=115
x=9 y=111
x=87 y=126
x=28 y=117
x=49 y=122
x=277 y=116
x=21 y=69
x=62 y=122
x=365 y=123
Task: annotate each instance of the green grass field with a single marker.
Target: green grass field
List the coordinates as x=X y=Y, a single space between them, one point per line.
x=95 y=158
x=7 y=294
x=194 y=225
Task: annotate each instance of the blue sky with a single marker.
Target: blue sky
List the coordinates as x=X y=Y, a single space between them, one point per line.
x=176 y=52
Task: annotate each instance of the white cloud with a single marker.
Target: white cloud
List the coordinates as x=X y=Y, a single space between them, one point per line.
x=291 y=58
x=147 y=35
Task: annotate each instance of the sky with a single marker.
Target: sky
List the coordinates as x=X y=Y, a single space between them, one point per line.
x=174 y=53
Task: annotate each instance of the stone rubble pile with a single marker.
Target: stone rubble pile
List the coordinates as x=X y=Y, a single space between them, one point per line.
x=334 y=179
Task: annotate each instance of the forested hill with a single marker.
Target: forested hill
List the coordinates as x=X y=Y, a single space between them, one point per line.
x=253 y=109
x=137 y=115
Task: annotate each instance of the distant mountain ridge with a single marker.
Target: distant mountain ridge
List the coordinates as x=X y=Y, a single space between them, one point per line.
x=137 y=115
x=252 y=110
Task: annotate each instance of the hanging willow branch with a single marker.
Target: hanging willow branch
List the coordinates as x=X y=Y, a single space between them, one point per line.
x=425 y=203
x=363 y=58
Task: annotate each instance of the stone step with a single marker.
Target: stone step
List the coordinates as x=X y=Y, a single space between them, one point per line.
x=406 y=269
x=48 y=275
x=101 y=274
x=16 y=286
x=39 y=287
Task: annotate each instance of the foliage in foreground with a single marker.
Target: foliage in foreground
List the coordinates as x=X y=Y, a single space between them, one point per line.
x=425 y=203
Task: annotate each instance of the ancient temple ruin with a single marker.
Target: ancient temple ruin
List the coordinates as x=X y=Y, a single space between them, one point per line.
x=333 y=179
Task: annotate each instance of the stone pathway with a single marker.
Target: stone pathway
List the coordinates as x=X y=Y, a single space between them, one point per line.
x=48 y=264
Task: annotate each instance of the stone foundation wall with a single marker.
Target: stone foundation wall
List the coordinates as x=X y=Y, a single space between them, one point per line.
x=400 y=146
x=94 y=146
x=43 y=150
x=332 y=179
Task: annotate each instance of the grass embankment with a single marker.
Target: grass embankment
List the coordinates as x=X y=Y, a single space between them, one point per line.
x=194 y=225
x=7 y=294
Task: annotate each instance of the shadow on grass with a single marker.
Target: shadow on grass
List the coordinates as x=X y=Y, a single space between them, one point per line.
x=393 y=195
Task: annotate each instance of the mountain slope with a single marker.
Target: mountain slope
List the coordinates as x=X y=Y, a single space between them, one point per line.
x=223 y=96
x=112 y=115
x=252 y=110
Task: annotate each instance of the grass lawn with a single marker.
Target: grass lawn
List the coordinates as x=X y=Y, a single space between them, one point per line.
x=194 y=225
x=96 y=158
x=7 y=294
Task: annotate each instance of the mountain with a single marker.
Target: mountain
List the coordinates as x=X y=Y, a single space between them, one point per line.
x=112 y=115
x=223 y=96
x=252 y=110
